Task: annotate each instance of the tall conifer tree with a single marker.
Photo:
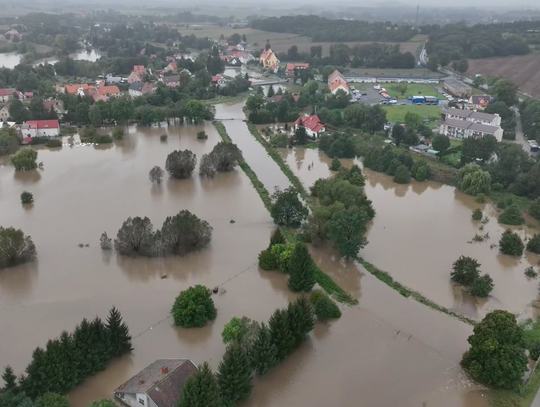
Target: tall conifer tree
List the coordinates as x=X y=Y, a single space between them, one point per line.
x=263 y=352
x=120 y=339
x=201 y=389
x=234 y=375
x=280 y=331
x=301 y=269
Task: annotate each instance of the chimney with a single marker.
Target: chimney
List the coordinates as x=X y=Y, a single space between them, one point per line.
x=164 y=370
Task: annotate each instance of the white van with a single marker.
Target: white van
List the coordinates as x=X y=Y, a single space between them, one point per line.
x=378 y=87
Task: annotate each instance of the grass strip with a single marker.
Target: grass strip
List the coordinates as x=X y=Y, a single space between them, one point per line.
x=279 y=161
x=259 y=186
x=324 y=280
x=407 y=292
x=522 y=398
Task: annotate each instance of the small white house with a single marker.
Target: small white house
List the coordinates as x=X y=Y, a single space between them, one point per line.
x=4 y=114
x=40 y=128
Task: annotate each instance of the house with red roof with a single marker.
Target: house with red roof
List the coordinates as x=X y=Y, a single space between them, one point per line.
x=76 y=89
x=173 y=66
x=219 y=79
x=159 y=384
x=312 y=124
x=39 y=128
x=6 y=94
x=291 y=66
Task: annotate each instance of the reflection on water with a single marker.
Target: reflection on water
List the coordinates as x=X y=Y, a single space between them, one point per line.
x=12 y=59
x=422 y=228
x=82 y=192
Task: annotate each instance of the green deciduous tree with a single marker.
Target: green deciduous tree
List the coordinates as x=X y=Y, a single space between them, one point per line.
x=533 y=245
x=262 y=351
x=401 y=87
x=335 y=165
x=301 y=269
x=511 y=244
x=225 y=156
x=482 y=286
x=194 y=307
x=156 y=175
x=281 y=333
x=465 y=270
x=348 y=229
x=195 y=111
x=441 y=142
x=53 y=400
x=24 y=159
x=180 y=163
x=135 y=237
x=201 y=389
x=234 y=374
x=240 y=330
x=287 y=209
x=102 y=403
x=477 y=214
x=119 y=337
x=185 y=233
x=497 y=353
x=15 y=247
x=27 y=198
x=402 y=175
x=472 y=180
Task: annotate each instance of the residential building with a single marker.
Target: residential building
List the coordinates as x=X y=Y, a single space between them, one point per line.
x=4 y=114
x=109 y=91
x=6 y=94
x=268 y=59
x=39 y=128
x=312 y=124
x=460 y=124
x=337 y=81
x=457 y=88
x=56 y=105
x=113 y=79
x=138 y=89
x=479 y=102
x=173 y=66
x=219 y=80
x=137 y=75
x=160 y=384
x=171 y=81
x=291 y=66
x=77 y=89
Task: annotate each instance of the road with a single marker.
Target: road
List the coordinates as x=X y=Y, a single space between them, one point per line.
x=520 y=136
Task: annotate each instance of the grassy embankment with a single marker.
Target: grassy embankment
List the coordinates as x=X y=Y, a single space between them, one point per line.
x=321 y=278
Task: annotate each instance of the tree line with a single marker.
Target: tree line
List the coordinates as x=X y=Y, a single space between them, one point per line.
x=325 y=29
x=70 y=359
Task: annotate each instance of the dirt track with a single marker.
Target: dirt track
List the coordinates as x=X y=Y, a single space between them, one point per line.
x=522 y=70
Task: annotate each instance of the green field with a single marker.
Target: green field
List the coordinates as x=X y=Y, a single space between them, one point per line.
x=396 y=114
x=413 y=89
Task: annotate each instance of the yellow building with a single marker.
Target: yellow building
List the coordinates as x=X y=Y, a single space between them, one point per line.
x=268 y=59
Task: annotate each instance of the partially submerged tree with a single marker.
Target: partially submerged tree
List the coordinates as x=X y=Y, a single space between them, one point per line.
x=262 y=352
x=156 y=175
x=465 y=270
x=301 y=269
x=533 y=245
x=482 y=286
x=472 y=180
x=105 y=242
x=287 y=209
x=225 y=156
x=348 y=229
x=27 y=198
x=180 y=163
x=118 y=332
x=497 y=353
x=511 y=216
x=185 y=233
x=15 y=247
x=194 y=307
x=234 y=375
x=135 y=237
x=511 y=244
x=207 y=166
x=201 y=389
x=24 y=159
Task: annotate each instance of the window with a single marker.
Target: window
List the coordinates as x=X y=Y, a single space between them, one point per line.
x=121 y=395
x=141 y=401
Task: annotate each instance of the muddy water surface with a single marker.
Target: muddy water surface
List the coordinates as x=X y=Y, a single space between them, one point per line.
x=84 y=191
x=12 y=59
x=420 y=229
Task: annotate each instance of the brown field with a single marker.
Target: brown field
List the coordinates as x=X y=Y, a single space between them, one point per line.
x=522 y=70
x=281 y=42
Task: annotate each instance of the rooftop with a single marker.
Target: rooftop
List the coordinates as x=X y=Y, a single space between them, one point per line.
x=463 y=124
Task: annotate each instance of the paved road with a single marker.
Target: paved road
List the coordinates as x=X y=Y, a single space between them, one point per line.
x=520 y=137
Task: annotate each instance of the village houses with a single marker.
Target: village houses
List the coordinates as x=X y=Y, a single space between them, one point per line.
x=337 y=81
x=4 y=114
x=159 y=384
x=312 y=124
x=137 y=75
x=38 y=128
x=171 y=81
x=460 y=124
x=138 y=89
x=291 y=66
x=6 y=94
x=268 y=58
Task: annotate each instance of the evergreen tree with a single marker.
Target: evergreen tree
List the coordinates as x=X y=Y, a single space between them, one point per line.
x=82 y=349
x=271 y=92
x=301 y=271
x=201 y=389
x=118 y=331
x=263 y=352
x=10 y=380
x=277 y=237
x=36 y=381
x=280 y=331
x=301 y=318
x=235 y=375
x=70 y=368
x=100 y=346
x=53 y=400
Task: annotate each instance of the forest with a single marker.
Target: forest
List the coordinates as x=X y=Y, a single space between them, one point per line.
x=324 y=29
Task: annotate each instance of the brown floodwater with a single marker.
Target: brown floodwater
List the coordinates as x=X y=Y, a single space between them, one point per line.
x=388 y=350
x=421 y=228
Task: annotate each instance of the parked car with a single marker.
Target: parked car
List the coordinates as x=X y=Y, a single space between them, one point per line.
x=364 y=94
x=392 y=101
x=403 y=104
x=378 y=87
x=383 y=102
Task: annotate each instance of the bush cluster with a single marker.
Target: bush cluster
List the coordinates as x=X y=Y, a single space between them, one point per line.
x=223 y=157
x=194 y=307
x=15 y=247
x=511 y=244
x=401 y=166
x=465 y=271
x=511 y=216
x=325 y=308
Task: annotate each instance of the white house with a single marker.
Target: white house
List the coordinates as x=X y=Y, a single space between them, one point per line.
x=40 y=128
x=312 y=124
x=337 y=81
x=6 y=94
x=460 y=124
x=159 y=384
x=4 y=114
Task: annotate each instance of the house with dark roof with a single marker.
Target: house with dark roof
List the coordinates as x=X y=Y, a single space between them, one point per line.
x=479 y=102
x=159 y=384
x=137 y=89
x=171 y=81
x=460 y=124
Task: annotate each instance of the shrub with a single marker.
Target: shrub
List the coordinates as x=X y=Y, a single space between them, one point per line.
x=118 y=133
x=477 y=214
x=511 y=216
x=156 y=175
x=267 y=260
x=105 y=242
x=511 y=244
x=53 y=143
x=282 y=253
x=277 y=237
x=279 y=140
x=534 y=209
x=207 y=167
x=325 y=308
x=180 y=163
x=201 y=135
x=163 y=137
x=534 y=352
x=27 y=198
x=15 y=247
x=533 y=245
x=103 y=139
x=194 y=307
x=482 y=286
x=335 y=165
x=481 y=198
x=465 y=270
x=529 y=272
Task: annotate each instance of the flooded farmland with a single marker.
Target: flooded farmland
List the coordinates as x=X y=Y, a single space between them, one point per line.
x=421 y=228
x=386 y=342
